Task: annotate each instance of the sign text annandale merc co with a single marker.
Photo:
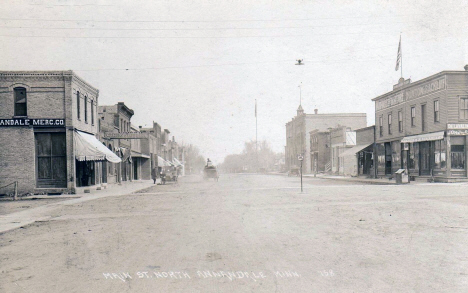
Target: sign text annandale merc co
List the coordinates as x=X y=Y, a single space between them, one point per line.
x=43 y=122
x=411 y=94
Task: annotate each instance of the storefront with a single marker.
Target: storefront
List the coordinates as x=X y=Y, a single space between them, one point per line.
x=90 y=153
x=439 y=155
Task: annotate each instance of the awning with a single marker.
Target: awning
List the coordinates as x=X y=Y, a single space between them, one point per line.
x=424 y=137
x=127 y=155
x=139 y=155
x=163 y=163
x=354 y=150
x=88 y=148
x=177 y=162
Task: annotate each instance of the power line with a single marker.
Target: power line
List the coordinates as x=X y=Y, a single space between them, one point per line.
x=196 y=29
x=208 y=21
x=195 y=37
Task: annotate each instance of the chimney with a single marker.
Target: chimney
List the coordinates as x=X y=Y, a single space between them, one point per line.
x=316 y=111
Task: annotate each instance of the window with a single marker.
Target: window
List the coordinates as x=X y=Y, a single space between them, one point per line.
x=400 y=121
x=413 y=116
x=390 y=123
x=464 y=108
x=381 y=125
x=20 y=101
x=423 y=117
x=92 y=112
x=440 y=154
x=457 y=152
x=78 y=99
x=436 y=111
x=86 y=109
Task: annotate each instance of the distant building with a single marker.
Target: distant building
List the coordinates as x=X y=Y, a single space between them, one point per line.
x=359 y=159
x=423 y=126
x=116 y=119
x=320 y=151
x=299 y=128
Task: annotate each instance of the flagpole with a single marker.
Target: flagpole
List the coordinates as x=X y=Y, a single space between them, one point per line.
x=401 y=52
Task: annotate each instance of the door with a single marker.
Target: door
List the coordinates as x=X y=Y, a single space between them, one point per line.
x=135 y=170
x=388 y=158
x=51 y=163
x=425 y=158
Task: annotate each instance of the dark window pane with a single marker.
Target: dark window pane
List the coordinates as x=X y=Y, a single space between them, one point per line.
x=20 y=109
x=43 y=168
x=458 y=160
x=457 y=148
x=43 y=144
x=59 y=146
x=59 y=168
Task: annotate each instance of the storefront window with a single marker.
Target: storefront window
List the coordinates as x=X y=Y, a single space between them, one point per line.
x=396 y=152
x=414 y=156
x=440 y=154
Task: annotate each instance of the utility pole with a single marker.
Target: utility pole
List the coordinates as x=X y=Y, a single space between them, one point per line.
x=256 y=136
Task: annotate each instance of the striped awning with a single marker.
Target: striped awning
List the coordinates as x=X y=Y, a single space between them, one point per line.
x=424 y=137
x=88 y=148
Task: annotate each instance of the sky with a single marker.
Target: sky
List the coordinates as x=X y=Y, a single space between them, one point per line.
x=197 y=67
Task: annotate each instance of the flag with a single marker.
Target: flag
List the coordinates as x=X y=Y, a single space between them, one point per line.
x=398 y=58
x=255 y=108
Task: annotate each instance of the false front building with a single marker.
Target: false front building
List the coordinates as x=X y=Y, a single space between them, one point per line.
x=423 y=126
x=48 y=123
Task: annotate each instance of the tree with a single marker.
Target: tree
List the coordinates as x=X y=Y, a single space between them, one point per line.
x=252 y=159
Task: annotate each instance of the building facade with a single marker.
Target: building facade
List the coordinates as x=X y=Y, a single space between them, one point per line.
x=320 y=151
x=48 y=124
x=299 y=128
x=422 y=127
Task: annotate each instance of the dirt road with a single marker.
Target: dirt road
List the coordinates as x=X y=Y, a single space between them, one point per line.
x=248 y=233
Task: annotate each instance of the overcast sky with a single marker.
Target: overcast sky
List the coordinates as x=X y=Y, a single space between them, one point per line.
x=196 y=67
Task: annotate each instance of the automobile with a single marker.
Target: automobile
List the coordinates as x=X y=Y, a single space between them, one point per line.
x=294 y=172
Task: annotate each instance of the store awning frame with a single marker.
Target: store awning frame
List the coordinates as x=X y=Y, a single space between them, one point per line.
x=89 y=148
x=139 y=155
x=178 y=162
x=354 y=150
x=163 y=163
x=424 y=137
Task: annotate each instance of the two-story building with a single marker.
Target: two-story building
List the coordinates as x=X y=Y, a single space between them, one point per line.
x=422 y=126
x=299 y=128
x=48 y=123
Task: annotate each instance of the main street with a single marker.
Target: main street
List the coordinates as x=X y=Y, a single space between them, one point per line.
x=247 y=233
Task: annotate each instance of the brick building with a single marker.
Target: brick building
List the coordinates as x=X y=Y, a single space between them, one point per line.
x=299 y=128
x=320 y=151
x=48 y=123
x=422 y=126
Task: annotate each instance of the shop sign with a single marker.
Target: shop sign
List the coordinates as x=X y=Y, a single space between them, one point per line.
x=457 y=132
x=42 y=122
x=457 y=126
x=425 y=89
x=389 y=101
x=126 y=135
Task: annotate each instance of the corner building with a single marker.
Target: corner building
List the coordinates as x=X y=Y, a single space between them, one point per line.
x=48 y=123
x=423 y=126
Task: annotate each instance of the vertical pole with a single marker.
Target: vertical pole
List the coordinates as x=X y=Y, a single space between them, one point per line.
x=256 y=136
x=16 y=190
x=401 y=56
x=301 y=177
